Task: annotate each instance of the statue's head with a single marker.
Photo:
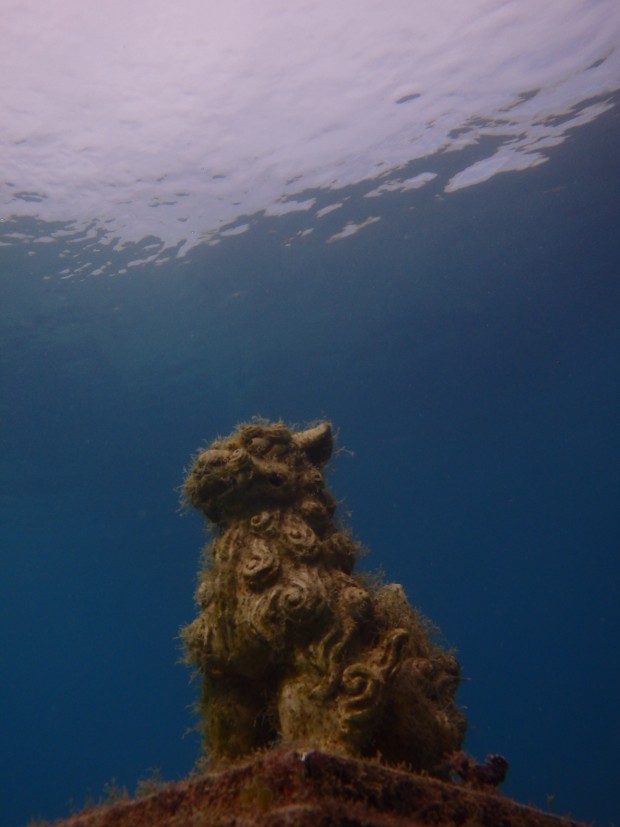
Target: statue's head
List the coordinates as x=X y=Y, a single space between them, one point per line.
x=262 y=466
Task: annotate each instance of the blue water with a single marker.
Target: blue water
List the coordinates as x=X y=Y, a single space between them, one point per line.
x=466 y=348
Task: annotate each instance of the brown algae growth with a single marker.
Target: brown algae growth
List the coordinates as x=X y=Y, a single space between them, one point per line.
x=293 y=648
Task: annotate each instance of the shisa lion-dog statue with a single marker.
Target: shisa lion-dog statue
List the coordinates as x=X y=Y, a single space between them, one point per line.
x=292 y=647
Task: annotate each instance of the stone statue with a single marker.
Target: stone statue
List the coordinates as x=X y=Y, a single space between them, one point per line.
x=292 y=647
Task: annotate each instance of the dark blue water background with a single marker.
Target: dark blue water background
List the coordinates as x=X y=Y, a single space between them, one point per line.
x=466 y=347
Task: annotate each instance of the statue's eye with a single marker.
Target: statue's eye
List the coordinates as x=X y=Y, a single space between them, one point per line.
x=259 y=445
x=276 y=479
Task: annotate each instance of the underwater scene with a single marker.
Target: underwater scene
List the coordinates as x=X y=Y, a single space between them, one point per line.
x=401 y=218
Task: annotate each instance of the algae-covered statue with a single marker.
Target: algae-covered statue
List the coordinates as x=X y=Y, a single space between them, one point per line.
x=292 y=647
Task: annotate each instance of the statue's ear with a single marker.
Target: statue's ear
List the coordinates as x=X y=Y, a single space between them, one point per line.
x=317 y=443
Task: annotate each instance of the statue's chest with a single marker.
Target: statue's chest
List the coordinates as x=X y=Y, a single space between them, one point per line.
x=274 y=561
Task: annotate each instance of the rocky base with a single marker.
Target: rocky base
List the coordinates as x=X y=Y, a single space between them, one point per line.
x=296 y=789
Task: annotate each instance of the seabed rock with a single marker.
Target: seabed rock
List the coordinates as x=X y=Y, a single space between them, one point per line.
x=316 y=789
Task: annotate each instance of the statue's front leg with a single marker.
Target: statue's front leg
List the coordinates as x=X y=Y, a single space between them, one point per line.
x=236 y=721
x=308 y=719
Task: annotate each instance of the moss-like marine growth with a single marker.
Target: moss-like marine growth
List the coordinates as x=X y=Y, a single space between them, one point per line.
x=293 y=647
